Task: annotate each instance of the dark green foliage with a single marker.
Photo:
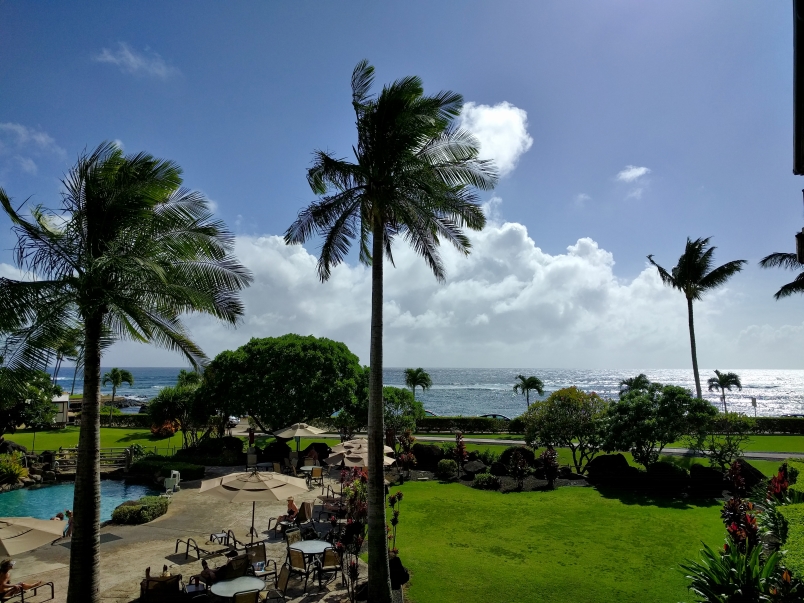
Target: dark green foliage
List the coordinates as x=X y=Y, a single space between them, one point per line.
x=283 y=380
x=153 y=466
x=486 y=481
x=402 y=410
x=142 y=511
x=26 y=398
x=785 y=425
x=527 y=454
x=793 y=516
x=11 y=468
x=277 y=451
x=464 y=424
x=724 y=443
x=427 y=456
x=447 y=469
x=549 y=459
x=487 y=456
x=518 y=468
x=667 y=478
x=645 y=421
x=612 y=470
x=142 y=420
x=516 y=425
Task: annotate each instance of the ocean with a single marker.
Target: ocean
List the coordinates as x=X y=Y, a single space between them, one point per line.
x=478 y=391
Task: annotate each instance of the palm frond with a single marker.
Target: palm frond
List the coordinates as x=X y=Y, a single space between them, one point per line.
x=781 y=260
x=720 y=275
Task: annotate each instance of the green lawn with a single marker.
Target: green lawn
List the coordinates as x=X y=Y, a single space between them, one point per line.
x=569 y=545
x=111 y=437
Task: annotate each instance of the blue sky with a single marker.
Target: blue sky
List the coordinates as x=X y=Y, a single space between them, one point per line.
x=644 y=123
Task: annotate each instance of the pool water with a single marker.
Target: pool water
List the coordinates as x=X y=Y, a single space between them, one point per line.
x=46 y=501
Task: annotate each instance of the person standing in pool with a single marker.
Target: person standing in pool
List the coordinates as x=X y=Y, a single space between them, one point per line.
x=7 y=589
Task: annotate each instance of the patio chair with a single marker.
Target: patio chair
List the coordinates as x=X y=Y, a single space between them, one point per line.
x=31 y=592
x=256 y=554
x=329 y=567
x=161 y=590
x=247 y=596
x=297 y=563
x=236 y=567
x=309 y=462
x=278 y=593
x=286 y=466
x=277 y=468
x=317 y=476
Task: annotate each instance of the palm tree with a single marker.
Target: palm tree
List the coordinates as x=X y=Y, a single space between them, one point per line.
x=527 y=385
x=693 y=275
x=188 y=378
x=413 y=177
x=417 y=377
x=106 y=341
x=723 y=382
x=130 y=250
x=789 y=261
x=66 y=349
x=117 y=377
x=638 y=383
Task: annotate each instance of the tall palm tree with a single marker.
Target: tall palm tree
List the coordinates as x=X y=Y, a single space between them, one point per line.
x=693 y=275
x=66 y=349
x=789 y=261
x=131 y=250
x=188 y=378
x=413 y=177
x=723 y=382
x=527 y=385
x=117 y=377
x=638 y=383
x=417 y=377
x=106 y=341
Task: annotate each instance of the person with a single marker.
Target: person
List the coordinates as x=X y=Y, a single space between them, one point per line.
x=312 y=454
x=293 y=511
x=165 y=572
x=68 y=530
x=6 y=588
x=57 y=517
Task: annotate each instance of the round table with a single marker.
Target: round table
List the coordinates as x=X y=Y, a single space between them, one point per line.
x=307 y=469
x=311 y=547
x=228 y=588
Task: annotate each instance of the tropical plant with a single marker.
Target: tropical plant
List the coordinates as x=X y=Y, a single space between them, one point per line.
x=569 y=418
x=66 y=348
x=724 y=440
x=723 y=382
x=11 y=468
x=413 y=176
x=117 y=377
x=693 y=275
x=549 y=460
x=188 y=378
x=527 y=385
x=518 y=469
x=131 y=250
x=417 y=377
x=460 y=452
x=447 y=469
x=180 y=405
x=789 y=261
x=395 y=503
x=638 y=383
x=26 y=398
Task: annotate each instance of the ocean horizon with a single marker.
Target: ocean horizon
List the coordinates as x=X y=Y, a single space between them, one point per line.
x=477 y=391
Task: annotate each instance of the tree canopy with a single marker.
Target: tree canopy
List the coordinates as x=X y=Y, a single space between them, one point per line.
x=283 y=380
x=26 y=399
x=417 y=377
x=722 y=382
x=525 y=385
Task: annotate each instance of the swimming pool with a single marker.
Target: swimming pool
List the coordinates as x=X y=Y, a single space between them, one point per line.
x=46 y=501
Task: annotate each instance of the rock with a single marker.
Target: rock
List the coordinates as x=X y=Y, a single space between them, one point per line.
x=37 y=479
x=498 y=469
x=564 y=472
x=574 y=476
x=34 y=471
x=49 y=476
x=706 y=481
x=8 y=447
x=474 y=467
x=750 y=474
x=27 y=481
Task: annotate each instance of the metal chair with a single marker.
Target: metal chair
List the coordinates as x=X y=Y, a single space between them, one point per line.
x=317 y=476
x=298 y=566
x=309 y=462
x=277 y=468
x=278 y=593
x=256 y=554
x=247 y=596
x=329 y=566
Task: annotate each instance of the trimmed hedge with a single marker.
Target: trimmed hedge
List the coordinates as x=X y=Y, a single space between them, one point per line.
x=486 y=481
x=784 y=425
x=144 y=510
x=447 y=469
x=794 y=545
x=464 y=424
x=162 y=465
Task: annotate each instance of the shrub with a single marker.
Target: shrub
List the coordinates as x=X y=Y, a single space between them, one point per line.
x=427 y=456
x=218 y=445
x=488 y=456
x=161 y=466
x=549 y=460
x=725 y=441
x=527 y=453
x=667 y=478
x=447 y=469
x=464 y=424
x=11 y=469
x=486 y=481
x=144 y=510
x=794 y=517
x=516 y=425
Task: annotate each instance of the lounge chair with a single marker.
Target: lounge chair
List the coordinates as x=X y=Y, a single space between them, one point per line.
x=256 y=554
x=31 y=592
x=236 y=567
x=247 y=596
x=161 y=590
x=298 y=565
x=317 y=476
x=280 y=587
x=329 y=567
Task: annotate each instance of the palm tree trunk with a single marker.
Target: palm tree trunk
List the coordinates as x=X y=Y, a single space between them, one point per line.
x=78 y=361
x=694 y=350
x=84 y=586
x=724 y=401
x=379 y=580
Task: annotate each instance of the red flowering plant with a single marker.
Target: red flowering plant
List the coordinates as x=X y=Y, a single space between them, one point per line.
x=778 y=485
x=550 y=460
x=735 y=477
x=741 y=524
x=405 y=456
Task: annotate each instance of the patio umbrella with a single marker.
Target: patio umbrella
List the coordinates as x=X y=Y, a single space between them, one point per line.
x=353 y=459
x=20 y=534
x=297 y=431
x=358 y=445
x=253 y=486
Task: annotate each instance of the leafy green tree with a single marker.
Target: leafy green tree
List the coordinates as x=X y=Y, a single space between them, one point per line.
x=117 y=377
x=413 y=176
x=725 y=439
x=181 y=403
x=30 y=404
x=417 y=377
x=569 y=418
x=645 y=421
x=402 y=410
x=693 y=275
x=527 y=385
x=638 y=383
x=723 y=382
x=283 y=380
x=790 y=262
x=353 y=417
x=188 y=378
x=131 y=250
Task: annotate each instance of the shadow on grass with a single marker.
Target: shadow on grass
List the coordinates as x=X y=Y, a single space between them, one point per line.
x=654 y=499
x=136 y=437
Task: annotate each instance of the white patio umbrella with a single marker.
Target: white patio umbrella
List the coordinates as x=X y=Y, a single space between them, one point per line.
x=359 y=446
x=353 y=459
x=20 y=534
x=298 y=431
x=253 y=487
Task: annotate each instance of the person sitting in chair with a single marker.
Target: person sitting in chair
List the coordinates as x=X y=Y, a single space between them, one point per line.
x=7 y=589
x=293 y=511
x=208 y=575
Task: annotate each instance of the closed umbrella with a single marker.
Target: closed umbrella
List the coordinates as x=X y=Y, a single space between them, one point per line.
x=353 y=459
x=359 y=446
x=20 y=534
x=253 y=487
x=298 y=431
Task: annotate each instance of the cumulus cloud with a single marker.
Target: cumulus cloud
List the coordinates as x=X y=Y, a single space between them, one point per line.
x=632 y=173
x=19 y=145
x=581 y=199
x=129 y=60
x=502 y=130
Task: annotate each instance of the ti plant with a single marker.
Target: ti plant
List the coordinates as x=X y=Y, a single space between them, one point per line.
x=460 y=452
x=550 y=459
x=519 y=469
x=395 y=502
x=406 y=457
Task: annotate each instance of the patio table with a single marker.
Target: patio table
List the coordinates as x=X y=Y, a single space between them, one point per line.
x=228 y=588
x=311 y=547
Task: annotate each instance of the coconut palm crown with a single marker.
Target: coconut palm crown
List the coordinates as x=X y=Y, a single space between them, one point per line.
x=638 y=383
x=117 y=377
x=128 y=253
x=413 y=177
x=723 y=382
x=527 y=385
x=789 y=261
x=417 y=377
x=694 y=275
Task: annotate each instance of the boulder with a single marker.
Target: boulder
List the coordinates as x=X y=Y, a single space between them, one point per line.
x=48 y=477
x=498 y=469
x=750 y=474
x=706 y=481
x=27 y=481
x=37 y=479
x=472 y=468
x=9 y=447
x=34 y=471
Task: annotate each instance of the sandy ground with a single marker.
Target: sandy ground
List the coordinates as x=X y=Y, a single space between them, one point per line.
x=127 y=550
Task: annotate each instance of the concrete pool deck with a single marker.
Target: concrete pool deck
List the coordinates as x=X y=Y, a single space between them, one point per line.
x=127 y=550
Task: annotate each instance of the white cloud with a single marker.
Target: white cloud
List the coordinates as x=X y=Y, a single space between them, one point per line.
x=26 y=164
x=131 y=61
x=19 y=144
x=635 y=193
x=581 y=199
x=502 y=130
x=632 y=173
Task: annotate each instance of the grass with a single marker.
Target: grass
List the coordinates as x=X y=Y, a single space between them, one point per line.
x=571 y=544
x=111 y=437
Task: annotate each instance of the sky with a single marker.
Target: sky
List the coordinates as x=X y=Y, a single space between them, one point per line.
x=620 y=128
